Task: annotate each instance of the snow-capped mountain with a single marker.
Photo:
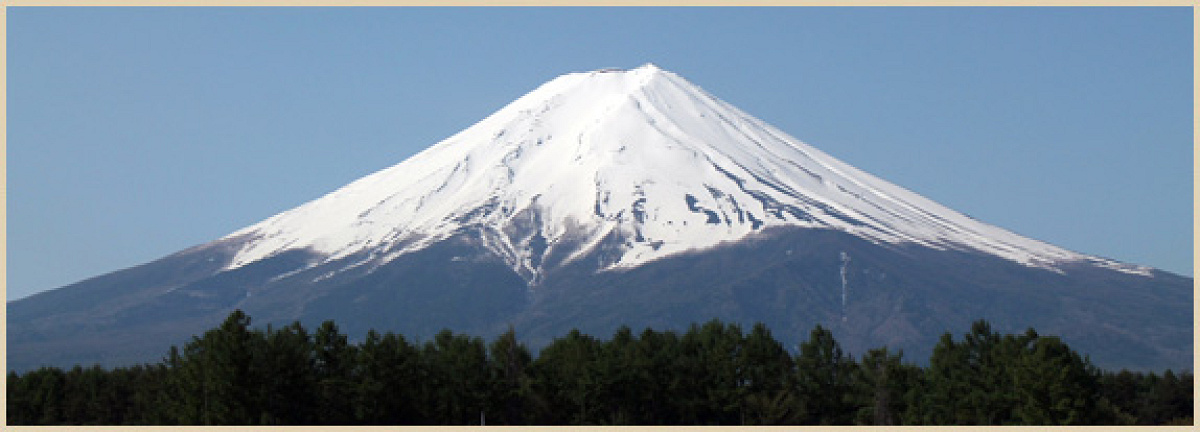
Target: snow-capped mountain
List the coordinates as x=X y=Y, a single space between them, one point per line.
x=642 y=155
x=619 y=197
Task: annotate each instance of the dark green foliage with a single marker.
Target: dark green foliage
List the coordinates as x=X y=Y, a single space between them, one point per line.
x=654 y=360
x=334 y=367
x=1026 y=379
x=37 y=398
x=213 y=382
x=824 y=376
x=1053 y=385
x=456 y=378
x=1137 y=398
x=884 y=388
x=389 y=381
x=707 y=358
x=712 y=374
x=565 y=378
x=288 y=391
x=766 y=381
x=620 y=381
x=510 y=383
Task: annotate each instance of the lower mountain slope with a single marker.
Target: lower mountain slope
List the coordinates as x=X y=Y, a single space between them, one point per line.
x=869 y=295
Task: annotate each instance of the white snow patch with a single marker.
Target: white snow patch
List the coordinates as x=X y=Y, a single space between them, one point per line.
x=642 y=153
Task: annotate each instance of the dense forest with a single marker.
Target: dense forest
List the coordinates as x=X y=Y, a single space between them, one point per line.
x=713 y=374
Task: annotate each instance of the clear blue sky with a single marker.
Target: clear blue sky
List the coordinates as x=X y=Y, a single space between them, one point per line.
x=137 y=132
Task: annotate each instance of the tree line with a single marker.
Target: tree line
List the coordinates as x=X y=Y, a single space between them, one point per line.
x=712 y=374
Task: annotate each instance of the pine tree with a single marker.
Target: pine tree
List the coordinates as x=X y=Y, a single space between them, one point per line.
x=882 y=386
x=147 y=405
x=823 y=376
x=458 y=368
x=565 y=377
x=621 y=382
x=708 y=356
x=212 y=383
x=1055 y=386
x=285 y=365
x=1168 y=399
x=509 y=362
x=962 y=380
x=765 y=368
x=387 y=385
x=334 y=369
x=655 y=357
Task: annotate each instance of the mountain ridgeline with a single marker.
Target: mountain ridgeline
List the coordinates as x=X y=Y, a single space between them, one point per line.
x=610 y=198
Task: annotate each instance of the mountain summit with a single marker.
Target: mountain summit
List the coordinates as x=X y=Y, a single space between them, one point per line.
x=640 y=157
x=619 y=197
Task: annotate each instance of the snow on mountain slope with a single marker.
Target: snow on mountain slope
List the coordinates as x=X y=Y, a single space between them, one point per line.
x=639 y=155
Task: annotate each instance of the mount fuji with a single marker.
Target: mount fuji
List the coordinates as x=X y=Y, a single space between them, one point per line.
x=619 y=197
